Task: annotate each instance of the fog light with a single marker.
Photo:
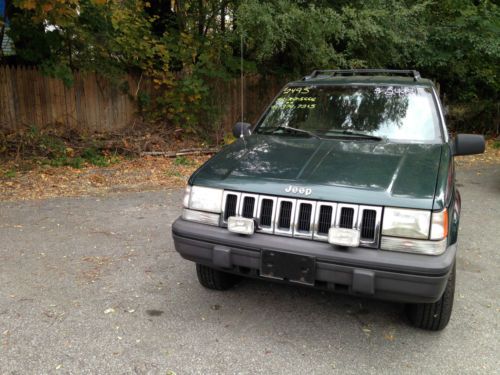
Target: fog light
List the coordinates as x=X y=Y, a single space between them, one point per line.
x=344 y=237
x=240 y=225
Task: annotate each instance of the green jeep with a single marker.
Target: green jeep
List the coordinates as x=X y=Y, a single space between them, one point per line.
x=346 y=183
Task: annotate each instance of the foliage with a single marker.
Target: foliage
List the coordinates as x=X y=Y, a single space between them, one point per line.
x=53 y=149
x=182 y=46
x=290 y=37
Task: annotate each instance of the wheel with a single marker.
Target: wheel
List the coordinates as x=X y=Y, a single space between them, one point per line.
x=434 y=316
x=214 y=279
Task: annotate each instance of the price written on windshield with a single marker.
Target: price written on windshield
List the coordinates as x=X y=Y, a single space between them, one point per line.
x=395 y=91
x=300 y=102
x=296 y=90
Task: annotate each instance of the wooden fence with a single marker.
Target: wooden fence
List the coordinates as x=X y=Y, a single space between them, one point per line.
x=28 y=98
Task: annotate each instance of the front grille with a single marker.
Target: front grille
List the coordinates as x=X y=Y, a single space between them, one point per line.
x=304 y=218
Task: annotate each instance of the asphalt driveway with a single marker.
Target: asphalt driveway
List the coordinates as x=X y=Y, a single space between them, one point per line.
x=94 y=285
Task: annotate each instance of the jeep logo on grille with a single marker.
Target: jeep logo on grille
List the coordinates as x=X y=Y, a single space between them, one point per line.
x=298 y=190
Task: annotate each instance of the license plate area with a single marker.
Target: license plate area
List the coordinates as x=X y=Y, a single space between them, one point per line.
x=289 y=267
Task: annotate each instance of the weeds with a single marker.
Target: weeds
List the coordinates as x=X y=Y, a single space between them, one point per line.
x=95 y=157
x=182 y=160
x=74 y=162
x=11 y=173
x=53 y=149
x=173 y=173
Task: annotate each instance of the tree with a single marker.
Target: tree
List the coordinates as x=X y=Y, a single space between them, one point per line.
x=183 y=45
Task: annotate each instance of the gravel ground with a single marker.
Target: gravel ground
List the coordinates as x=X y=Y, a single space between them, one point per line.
x=93 y=285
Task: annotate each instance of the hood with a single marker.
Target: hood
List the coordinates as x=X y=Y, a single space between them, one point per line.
x=352 y=171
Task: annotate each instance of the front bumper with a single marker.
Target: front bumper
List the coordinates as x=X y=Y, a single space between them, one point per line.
x=379 y=274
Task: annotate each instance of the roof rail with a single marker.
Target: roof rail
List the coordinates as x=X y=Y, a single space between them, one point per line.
x=344 y=72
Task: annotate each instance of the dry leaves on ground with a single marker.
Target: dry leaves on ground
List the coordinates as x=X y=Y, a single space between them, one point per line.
x=145 y=173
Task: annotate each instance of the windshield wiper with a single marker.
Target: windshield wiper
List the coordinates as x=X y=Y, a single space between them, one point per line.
x=358 y=135
x=272 y=130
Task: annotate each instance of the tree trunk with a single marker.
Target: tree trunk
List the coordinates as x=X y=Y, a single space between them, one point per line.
x=201 y=18
x=223 y=17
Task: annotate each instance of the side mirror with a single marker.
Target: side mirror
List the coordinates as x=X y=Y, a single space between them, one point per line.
x=242 y=128
x=468 y=144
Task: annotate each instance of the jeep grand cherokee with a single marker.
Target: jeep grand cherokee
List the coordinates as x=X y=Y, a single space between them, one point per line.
x=347 y=183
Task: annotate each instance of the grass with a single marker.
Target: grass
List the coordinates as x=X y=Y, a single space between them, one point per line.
x=496 y=144
x=94 y=157
x=53 y=150
x=11 y=173
x=173 y=173
x=90 y=156
x=182 y=160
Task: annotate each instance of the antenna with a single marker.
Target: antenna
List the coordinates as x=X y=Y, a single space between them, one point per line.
x=242 y=83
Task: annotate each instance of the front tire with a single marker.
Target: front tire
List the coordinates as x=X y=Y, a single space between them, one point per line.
x=434 y=316
x=214 y=279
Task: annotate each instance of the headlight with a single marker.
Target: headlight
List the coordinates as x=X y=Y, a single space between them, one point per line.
x=399 y=222
x=203 y=199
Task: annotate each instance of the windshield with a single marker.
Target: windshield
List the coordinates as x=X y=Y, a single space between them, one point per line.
x=397 y=113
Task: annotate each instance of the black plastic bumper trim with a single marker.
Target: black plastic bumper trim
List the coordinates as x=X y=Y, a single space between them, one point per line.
x=380 y=260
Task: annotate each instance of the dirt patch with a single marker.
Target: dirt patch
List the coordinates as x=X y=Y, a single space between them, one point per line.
x=145 y=173
x=97 y=264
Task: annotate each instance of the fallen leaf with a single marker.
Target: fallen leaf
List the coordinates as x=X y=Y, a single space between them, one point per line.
x=389 y=336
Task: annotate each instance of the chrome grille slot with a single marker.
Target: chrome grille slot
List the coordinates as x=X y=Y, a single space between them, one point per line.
x=231 y=206
x=325 y=219
x=346 y=217
x=285 y=215
x=368 y=225
x=248 y=207
x=304 y=221
x=303 y=218
x=266 y=213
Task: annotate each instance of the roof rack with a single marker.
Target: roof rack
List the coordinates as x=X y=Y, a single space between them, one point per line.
x=345 y=72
